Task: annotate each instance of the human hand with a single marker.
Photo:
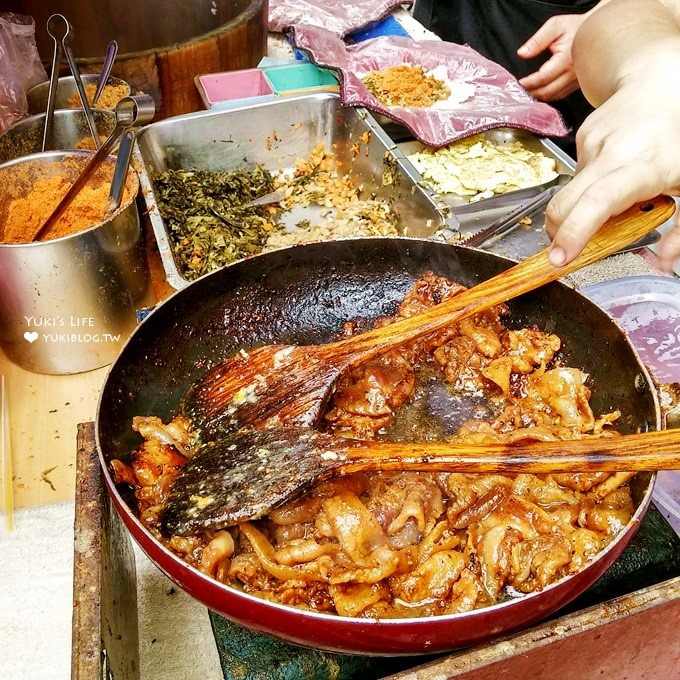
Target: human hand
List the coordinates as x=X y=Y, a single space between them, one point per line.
x=556 y=78
x=627 y=152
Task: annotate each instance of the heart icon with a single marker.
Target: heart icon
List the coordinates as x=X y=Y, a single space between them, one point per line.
x=31 y=336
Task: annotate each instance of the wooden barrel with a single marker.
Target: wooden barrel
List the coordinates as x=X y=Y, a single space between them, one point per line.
x=162 y=44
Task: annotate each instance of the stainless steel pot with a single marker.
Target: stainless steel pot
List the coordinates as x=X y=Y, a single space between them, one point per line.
x=69 y=133
x=67 y=305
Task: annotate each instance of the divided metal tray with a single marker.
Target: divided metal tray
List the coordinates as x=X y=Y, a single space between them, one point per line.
x=564 y=164
x=276 y=134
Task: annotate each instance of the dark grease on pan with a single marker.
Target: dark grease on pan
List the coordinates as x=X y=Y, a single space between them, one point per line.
x=435 y=411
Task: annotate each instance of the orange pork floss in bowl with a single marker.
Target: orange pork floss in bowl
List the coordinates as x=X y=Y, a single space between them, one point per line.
x=68 y=301
x=45 y=185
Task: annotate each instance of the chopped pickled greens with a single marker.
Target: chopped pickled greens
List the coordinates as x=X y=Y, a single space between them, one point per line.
x=201 y=242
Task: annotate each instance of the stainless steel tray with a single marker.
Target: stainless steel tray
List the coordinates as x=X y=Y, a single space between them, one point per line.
x=564 y=164
x=276 y=134
x=470 y=218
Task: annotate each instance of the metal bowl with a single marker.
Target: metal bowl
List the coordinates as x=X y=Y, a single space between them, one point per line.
x=67 y=305
x=69 y=133
x=303 y=295
x=66 y=88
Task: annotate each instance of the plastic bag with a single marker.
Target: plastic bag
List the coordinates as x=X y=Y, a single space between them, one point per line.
x=20 y=66
x=493 y=97
x=337 y=17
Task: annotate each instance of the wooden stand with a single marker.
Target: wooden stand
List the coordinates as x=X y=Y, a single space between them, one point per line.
x=162 y=45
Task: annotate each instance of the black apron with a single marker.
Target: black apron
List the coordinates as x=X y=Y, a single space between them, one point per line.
x=496 y=28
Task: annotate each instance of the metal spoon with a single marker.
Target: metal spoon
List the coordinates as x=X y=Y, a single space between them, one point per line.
x=265 y=199
x=225 y=219
x=145 y=112
x=129 y=111
x=271 y=197
x=111 y=52
x=120 y=172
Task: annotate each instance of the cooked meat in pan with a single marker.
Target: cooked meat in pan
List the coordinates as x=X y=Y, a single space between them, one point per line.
x=404 y=544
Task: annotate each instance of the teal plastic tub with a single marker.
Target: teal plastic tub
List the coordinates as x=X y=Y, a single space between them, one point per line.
x=295 y=78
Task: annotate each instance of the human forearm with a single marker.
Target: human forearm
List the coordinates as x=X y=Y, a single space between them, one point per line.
x=628 y=60
x=623 y=41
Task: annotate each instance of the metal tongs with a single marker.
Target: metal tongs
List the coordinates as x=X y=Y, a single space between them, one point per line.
x=511 y=220
x=60 y=30
x=130 y=112
x=508 y=222
x=111 y=52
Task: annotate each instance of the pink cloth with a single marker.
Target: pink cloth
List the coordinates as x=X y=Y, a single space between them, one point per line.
x=498 y=99
x=338 y=17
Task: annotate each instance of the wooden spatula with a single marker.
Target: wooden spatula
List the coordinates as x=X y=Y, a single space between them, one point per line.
x=250 y=472
x=292 y=384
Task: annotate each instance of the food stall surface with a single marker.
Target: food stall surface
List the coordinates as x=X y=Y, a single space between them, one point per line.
x=175 y=637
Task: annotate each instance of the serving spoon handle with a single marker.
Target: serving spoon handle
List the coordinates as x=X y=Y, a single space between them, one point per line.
x=57 y=30
x=111 y=52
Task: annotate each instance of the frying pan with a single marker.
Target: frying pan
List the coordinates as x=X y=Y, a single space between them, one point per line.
x=304 y=294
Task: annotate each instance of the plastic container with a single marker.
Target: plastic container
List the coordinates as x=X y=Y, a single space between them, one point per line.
x=648 y=309
x=388 y=26
x=301 y=79
x=221 y=90
x=666 y=497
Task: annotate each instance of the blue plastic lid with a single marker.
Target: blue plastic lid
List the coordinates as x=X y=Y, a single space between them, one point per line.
x=299 y=55
x=388 y=26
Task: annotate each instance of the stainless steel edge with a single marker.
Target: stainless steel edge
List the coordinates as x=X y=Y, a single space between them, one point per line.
x=448 y=218
x=174 y=278
x=558 y=153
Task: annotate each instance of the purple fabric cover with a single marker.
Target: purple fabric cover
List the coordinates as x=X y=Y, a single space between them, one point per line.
x=337 y=17
x=498 y=100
